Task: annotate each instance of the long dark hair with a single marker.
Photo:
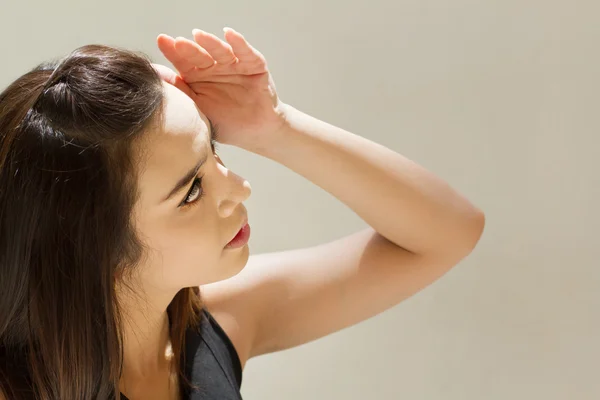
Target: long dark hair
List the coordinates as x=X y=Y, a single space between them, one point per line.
x=67 y=191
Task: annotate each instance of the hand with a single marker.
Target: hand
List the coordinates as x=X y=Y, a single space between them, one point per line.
x=170 y=76
x=230 y=83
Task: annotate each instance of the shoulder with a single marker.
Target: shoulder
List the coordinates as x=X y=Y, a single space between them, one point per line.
x=224 y=324
x=233 y=304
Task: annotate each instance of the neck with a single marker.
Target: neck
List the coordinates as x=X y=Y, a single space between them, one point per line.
x=146 y=337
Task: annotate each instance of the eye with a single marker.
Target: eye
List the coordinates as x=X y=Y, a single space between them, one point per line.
x=194 y=194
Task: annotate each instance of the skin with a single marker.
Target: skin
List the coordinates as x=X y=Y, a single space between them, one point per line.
x=188 y=244
x=419 y=226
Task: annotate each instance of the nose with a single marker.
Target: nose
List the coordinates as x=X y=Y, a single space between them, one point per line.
x=233 y=190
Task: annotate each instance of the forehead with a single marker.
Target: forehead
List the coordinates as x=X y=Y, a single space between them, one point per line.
x=172 y=148
x=183 y=123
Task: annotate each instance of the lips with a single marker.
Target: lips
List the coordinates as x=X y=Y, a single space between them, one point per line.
x=244 y=222
x=241 y=237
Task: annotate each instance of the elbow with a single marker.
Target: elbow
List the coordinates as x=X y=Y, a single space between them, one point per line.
x=478 y=223
x=463 y=240
x=472 y=232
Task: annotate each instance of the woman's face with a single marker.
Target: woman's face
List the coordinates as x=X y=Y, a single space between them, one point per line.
x=189 y=230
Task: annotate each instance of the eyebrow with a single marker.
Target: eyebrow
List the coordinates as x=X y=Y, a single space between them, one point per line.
x=185 y=180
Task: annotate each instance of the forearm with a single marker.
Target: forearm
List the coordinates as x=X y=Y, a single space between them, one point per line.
x=399 y=199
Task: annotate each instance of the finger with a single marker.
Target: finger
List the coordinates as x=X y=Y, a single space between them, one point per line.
x=241 y=48
x=165 y=73
x=218 y=49
x=166 y=44
x=171 y=77
x=193 y=53
x=184 y=87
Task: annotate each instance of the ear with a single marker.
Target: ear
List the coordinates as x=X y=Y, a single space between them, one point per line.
x=171 y=77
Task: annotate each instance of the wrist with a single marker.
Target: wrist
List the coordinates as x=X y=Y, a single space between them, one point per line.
x=274 y=136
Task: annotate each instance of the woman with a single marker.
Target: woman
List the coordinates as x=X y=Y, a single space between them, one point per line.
x=115 y=209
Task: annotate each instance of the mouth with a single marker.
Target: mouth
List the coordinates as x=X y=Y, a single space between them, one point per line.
x=241 y=238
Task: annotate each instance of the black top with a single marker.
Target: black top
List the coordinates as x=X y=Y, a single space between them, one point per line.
x=212 y=363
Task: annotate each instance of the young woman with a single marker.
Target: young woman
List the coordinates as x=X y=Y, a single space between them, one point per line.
x=124 y=265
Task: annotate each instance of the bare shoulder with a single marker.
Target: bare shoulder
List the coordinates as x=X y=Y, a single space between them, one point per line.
x=224 y=300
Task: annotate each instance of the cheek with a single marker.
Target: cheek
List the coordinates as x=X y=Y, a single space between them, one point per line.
x=185 y=261
x=192 y=253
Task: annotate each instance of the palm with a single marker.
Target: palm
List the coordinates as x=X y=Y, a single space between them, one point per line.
x=230 y=83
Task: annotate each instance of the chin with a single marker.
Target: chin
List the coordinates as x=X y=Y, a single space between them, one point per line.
x=236 y=261
x=241 y=261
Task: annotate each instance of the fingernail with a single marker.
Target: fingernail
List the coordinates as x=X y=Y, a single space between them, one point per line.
x=196 y=30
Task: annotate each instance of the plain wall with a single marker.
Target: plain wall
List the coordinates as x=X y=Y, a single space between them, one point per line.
x=500 y=98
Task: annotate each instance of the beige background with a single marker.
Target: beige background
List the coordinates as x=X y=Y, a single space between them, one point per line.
x=500 y=98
